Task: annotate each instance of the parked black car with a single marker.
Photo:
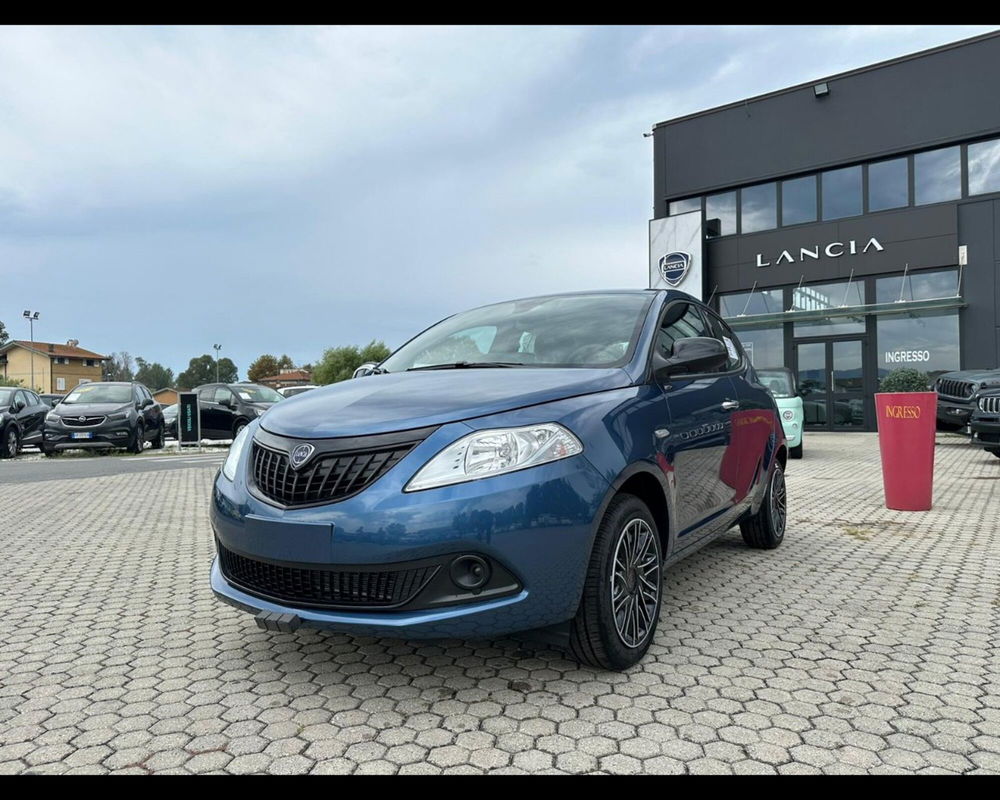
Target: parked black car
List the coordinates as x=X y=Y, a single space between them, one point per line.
x=104 y=415
x=227 y=408
x=985 y=422
x=51 y=400
x=22 y=414
x=958 y=394
x=170 y=421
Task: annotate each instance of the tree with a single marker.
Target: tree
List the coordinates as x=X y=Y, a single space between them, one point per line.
x=9 y=381
x=285 y=362
x=339 y=363
x=202 y=370
x=3 y=333
x=118 y=367
x=154 y=376
x=263 y=367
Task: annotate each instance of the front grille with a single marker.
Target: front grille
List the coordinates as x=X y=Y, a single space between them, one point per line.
x=327 y=477
x=330 y=587
x=82 y=422
x=961 y=390
x=991 y=405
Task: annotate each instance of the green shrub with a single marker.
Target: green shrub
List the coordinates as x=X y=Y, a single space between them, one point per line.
x=905 y=380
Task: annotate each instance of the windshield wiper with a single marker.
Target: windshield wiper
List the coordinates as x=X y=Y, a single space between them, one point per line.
x=468 y=365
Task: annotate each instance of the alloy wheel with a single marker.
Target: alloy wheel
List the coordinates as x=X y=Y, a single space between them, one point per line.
x=11 y=441
x=635 y=583
x=779 y=511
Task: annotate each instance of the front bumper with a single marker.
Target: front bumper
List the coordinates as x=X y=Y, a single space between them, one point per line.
x=955 y=412
x=793 y=431
x=538 y=523
x=985 y=430
x=107 y=435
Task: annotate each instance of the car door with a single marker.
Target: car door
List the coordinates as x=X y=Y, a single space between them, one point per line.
x=25 y=414
x=696 y=445
x=38 y=409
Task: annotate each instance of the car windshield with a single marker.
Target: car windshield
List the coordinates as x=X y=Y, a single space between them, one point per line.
x=6 y=395
x=252 y=393
x=588 y=330
x=99 y=393
x=779 y=381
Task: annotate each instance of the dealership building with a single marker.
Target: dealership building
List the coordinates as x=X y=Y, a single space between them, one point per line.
x=844 y=227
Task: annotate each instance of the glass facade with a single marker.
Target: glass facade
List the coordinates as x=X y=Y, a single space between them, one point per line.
x=937 y=175
x=684 y=206
x=764 y=345
x=798 y=200
x=926 y=341
x=759 y=208
x=723 y=208
x=917 y=286
x=842 y=193
x=984 y=167
x=888 y=184
x=766 y=301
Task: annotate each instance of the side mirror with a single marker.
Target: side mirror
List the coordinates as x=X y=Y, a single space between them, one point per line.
x=365 y=369
x=16 y=406
x=692 y=355
x=147 y=402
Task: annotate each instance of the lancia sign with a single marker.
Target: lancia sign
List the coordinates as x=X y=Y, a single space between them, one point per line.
x=674 y=267
x=832 y=250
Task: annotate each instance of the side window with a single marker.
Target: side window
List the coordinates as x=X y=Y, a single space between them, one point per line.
x=681 y=321
x=33 y=399
x=20 y=398
x=206 y=394
x=721 y=331
x=222 y=395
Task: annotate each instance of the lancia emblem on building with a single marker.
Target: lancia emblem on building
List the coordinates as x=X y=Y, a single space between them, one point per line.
x=674 y=266
x=300 y=455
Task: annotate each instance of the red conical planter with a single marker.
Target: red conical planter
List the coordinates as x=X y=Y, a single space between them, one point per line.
x=906 y=425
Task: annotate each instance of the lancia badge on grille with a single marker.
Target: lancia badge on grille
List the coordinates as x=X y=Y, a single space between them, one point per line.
x=300 y=455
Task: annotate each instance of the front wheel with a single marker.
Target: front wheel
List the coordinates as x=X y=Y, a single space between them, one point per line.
x=138 y=440
x=766 y=528
x=795 y=452
x=622 y=592
x=159 y=441
x=10 y=442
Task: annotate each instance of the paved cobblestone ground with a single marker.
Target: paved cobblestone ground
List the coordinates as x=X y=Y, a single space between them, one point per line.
x=867 y=643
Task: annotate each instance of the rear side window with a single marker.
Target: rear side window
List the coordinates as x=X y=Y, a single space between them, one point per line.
x=207 y=395
x=680 y=321
x=222 y=395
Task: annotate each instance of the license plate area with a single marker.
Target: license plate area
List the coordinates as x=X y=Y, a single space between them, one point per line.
x=82 y=435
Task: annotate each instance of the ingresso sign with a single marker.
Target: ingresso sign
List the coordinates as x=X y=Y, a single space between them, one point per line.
x=832 y=250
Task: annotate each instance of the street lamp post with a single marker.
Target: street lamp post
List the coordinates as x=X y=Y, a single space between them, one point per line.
x=31 y=316
x=217 y=347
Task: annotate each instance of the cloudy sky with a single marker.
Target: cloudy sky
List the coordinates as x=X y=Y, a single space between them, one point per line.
x=291 y=189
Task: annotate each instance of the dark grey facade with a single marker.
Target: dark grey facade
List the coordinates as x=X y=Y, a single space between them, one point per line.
x=851 y=231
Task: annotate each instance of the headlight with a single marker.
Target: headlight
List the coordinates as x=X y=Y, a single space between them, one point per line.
x=52 y=416
x=235 y=449
x=119 y=416
x=494 y=452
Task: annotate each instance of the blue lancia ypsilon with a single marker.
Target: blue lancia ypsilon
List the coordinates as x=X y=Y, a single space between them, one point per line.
x=526 y=465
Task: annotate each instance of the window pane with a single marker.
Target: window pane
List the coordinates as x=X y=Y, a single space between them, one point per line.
x=918 y=286
x=937 y=175
x=842 y=193
x=798 y=200
x=927 y=342
x=758 y=208
x=888 y=184
x=683 y=206
x=723 y=208
x=766 y=301
x=830 y=296
x=984 y=167
x=765 y=347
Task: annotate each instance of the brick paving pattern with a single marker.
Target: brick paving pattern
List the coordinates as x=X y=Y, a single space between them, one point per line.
x=867 y=643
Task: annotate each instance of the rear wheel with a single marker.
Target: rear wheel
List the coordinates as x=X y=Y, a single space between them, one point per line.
x=240 y=425
x=766 y=528
x=10 y=443
x=795 y=452
x=622 y=593
x=158 y=442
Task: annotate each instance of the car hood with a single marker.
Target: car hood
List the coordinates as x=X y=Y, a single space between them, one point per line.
x=88 y=409
x=400 y=401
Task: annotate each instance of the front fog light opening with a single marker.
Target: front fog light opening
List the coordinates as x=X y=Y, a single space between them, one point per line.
x=470 y=573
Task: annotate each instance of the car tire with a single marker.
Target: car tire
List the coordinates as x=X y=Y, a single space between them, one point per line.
x=240 y=425
x=766 y=529
x=160 y=439
x=10 y=443
x=138 y=440
x=795 y=452
x=623 y=589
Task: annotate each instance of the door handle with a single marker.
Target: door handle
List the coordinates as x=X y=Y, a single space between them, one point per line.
x=729 y=405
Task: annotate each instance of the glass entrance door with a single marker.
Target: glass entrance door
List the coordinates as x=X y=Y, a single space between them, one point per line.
x=831 y=381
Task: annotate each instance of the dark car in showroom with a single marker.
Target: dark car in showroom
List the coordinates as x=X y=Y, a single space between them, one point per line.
x=534 y=464
x=22 y=414
x=985 y=422
x=958 y=395
x=104 y=415
x=227 y=408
